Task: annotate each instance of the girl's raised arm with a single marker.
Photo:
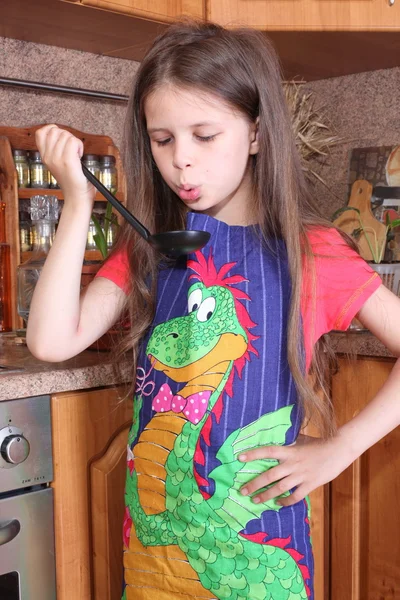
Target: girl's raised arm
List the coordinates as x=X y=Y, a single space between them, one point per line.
x=62 y=321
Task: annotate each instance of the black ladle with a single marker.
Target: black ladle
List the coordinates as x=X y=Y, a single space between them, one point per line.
x=171 y=243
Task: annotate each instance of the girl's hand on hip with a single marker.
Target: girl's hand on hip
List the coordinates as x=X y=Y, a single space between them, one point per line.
x=305 y=465
x=61 y=152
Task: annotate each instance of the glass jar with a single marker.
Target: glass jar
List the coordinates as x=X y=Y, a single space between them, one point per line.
x=39 y=171
x=25 y=236
x=112 y=234
x=5 y=275
x=22 y=167
x=53 y=184
x=91 y=161
x=90 y=243
x=44 y=213
x=108 y=173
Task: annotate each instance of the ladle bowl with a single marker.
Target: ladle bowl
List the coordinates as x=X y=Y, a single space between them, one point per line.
x=170 y=243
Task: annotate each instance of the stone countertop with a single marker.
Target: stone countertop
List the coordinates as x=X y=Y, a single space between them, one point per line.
x=359 y=343
x=23 y=375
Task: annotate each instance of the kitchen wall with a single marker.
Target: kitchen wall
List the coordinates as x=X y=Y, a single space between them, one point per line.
x=364 y=109
x=48 y=64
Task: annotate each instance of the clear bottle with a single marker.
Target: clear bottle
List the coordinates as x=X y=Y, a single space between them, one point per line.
x=22 y=167
x=44 y=215
x=108 y=173
x=91 y=161
x=5 y=275
x=39 y=171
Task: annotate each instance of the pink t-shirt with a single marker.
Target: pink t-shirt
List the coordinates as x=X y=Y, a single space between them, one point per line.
x=343 y=283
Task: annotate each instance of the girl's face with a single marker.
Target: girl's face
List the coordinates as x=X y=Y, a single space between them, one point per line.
x=201 y=147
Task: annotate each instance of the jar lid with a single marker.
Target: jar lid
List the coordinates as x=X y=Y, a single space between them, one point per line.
x=34 y=155
x=107 y=160
x=90 y=157
x=20 y=153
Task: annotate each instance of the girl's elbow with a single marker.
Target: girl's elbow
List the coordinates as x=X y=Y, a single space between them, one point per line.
x=45 y=350
x=41 y=351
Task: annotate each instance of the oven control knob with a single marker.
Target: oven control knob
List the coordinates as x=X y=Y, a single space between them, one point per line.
x=15 y=449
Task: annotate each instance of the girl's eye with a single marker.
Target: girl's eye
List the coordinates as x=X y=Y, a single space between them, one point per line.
x=206 y=310
x=207 y=138
x=194 y=300
x=163 y=142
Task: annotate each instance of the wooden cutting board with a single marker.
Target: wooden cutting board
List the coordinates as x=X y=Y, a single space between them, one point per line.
x=348 y=221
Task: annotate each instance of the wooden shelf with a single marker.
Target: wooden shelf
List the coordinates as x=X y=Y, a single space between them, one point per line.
x=24 y=193
x=89 y=255
x=24 y=139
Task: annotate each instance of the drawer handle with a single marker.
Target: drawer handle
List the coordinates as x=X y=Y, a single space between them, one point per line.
x=9 y=531
x=391 y=2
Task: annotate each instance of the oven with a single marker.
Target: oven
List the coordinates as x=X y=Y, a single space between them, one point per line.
x=27 y=562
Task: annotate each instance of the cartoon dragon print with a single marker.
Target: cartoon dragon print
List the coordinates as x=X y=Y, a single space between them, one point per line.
x=203 y=351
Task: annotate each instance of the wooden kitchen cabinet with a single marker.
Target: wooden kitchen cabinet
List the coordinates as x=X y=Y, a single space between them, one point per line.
x=364 y=499
x=90 y=432
x=307 y=15
x=156 y=10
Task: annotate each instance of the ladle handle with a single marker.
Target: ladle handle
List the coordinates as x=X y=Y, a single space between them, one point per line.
x=141 y=229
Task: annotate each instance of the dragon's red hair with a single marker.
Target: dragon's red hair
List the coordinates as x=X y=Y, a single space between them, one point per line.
x=205 y=271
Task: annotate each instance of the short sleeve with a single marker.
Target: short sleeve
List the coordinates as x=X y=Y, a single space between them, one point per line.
x=343 y=283
x=116 y=269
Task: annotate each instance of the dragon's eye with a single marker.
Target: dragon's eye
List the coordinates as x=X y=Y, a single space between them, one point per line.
x=194 y=300
x=206 y=309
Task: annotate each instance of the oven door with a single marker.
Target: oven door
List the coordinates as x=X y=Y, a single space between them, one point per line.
x=27 y=565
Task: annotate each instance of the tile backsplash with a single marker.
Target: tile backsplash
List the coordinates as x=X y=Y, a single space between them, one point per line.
x=364 y=110
x=59 y=66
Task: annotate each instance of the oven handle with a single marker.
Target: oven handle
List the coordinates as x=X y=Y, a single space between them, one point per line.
x=9 y=531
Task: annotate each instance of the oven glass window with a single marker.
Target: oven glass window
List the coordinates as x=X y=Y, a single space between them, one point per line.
x=9 y=586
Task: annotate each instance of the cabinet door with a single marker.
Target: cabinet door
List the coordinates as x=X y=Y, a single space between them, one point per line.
x=107 y=481
x=319 y=524
x=89 y=430
x=155 y=10
x=318 y=15
x=365 y=518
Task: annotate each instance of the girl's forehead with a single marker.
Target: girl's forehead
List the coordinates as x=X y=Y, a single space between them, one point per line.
x=169 y=102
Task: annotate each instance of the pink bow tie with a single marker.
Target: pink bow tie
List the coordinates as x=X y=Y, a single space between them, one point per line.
x=193 y=407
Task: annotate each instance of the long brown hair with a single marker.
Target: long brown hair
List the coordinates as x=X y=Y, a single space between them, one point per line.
x=241 y=68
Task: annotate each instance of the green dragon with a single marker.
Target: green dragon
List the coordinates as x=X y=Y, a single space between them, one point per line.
x=200 y=350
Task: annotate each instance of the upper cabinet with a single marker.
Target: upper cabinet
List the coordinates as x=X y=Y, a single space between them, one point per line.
x=315 y=39
x=158 y=10
x=307 y=15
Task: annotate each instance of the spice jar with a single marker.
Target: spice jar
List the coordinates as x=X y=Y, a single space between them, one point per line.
x=39 y=171
x=25 y=234
x=90 y=243
x=22 y=167
x=108 y=173
x=91 y=161
x=53 y=182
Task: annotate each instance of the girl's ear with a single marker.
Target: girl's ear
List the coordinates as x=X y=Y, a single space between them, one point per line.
x=254 y=145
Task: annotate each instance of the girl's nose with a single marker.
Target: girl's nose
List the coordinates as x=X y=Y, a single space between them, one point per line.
x=181 y=157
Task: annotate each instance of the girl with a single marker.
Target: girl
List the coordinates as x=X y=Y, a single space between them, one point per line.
x=217 y=472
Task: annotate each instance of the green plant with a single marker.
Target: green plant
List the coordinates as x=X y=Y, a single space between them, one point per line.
x=372 y=241
x=101 y=235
